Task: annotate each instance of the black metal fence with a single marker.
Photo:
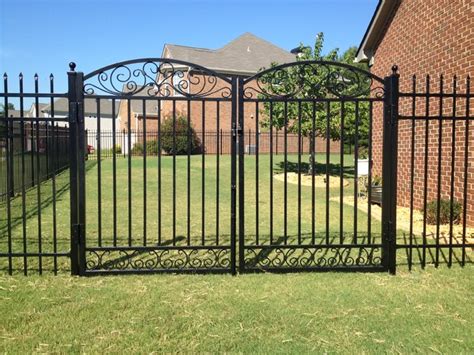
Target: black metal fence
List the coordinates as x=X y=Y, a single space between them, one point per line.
x=359 y=176
x=31 y=143
x=214 y=143
x=34 y=220
x=436 y=172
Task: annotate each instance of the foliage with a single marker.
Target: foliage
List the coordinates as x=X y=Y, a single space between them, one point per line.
x=118 y=149
x=311 y=87
x=185 y=138
x=377 y=180
x=151 y=148
x=2 y=108
x=137 y=148
x=444 y=212
x=3 y=125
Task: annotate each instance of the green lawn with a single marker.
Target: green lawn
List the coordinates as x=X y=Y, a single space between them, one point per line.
x=58 y=238
x=420 y=312
x=214 y=202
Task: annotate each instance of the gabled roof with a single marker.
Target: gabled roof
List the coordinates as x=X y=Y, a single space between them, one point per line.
x=375 y=30
x=14 y=113
x=61 y=107
x=246 y=54
x=32 y=109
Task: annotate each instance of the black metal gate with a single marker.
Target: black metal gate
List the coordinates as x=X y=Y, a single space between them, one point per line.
x=167 y=108
x=159 y=149
x=310 y=99
x=329 y=103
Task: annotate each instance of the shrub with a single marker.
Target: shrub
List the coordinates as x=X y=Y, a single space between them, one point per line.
x=137 y=148
x=117 y=149
x=182 y=132
x=444 y=212
x=152 y=147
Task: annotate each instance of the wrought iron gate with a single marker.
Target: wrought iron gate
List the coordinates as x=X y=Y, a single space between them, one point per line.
x=163 y=102
x=317 y=101
x=213 y=173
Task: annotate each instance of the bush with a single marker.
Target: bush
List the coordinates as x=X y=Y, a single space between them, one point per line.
x=181 y=144
x=151 y=147
x=117 y=149
x=444 y=212
x=137 y=148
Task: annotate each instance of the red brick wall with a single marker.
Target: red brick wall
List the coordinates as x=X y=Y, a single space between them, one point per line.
x=215 y=121
x=430 y=38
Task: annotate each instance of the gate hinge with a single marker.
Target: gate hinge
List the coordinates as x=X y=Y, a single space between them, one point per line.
x=76 y=112
x=78 y=233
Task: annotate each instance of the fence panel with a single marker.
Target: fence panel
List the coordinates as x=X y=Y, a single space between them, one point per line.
x=436 y=173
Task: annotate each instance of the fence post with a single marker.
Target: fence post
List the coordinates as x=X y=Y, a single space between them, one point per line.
x=241 y=139
x=77 y=169
x=389 y=170
x=233 y=156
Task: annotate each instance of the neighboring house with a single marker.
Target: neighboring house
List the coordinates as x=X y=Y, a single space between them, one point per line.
x=32 y=111
x=243 y=56
x=425 y=37
x=91 y=110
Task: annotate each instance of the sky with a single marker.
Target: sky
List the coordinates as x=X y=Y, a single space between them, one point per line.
x=43 y=36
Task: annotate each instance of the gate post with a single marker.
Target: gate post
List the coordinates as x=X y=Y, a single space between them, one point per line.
x=240 y=135
x=77 y=169
x=389 y=170
x=233 y=154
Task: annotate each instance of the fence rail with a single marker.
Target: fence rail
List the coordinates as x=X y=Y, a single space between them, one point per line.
x=214 y=142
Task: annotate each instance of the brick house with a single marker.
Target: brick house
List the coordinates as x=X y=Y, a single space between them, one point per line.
x=243 y=57
x=426 y=37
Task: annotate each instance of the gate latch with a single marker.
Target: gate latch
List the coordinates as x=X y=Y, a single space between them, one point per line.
x=236 y=131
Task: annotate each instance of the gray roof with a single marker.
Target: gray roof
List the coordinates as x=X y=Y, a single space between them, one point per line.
x=41 y=106
x=61 y=106
x=246 y=54
x=15 y=113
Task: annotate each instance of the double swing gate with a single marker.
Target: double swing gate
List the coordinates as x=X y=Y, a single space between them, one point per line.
x=163 y=200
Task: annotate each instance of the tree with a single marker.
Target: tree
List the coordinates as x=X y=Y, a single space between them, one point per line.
x=2 y=108
x=3 y=124
x=311 y=81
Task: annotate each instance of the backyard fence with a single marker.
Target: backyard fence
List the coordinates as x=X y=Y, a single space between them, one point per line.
x=395 y=188
x=209 y=142
x=37 y=152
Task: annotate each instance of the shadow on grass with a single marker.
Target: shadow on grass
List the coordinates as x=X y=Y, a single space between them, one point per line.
x=264 y=255
x=47 y=199
x=319 y=168
x=109 y=264
x=417 y=251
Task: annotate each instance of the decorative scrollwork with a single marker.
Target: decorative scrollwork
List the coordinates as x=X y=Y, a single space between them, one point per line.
x=312 y=257
x=157 y=78
x=117 y=259
x=313 y=80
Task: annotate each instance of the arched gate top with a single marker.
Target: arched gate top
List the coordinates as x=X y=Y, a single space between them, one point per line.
x=313 y=79
x=160 y=77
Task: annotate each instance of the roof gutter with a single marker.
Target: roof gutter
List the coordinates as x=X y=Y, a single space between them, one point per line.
x=372 y=35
